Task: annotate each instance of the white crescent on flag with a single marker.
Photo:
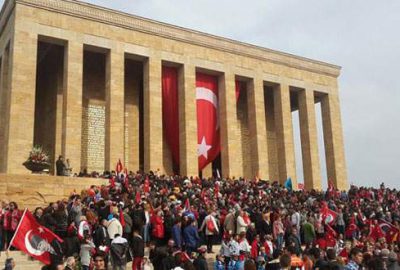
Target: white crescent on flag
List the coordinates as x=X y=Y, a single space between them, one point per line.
x=29 y=247
x=329 y=218
x=206 y=94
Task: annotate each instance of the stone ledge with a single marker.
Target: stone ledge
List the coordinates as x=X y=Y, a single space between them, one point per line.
x=152 y=27
x=38 y=190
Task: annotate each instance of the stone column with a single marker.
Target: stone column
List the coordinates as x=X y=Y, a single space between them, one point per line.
x=333 y=139
x=59 y=114
x=309 y=140
x=189 y=164
x=153 y=130
x=115 y=114
x=257 y=128
x=22 y=100
x=72 y=104
x=230 y=142
x=4 y=107
x=284 y=134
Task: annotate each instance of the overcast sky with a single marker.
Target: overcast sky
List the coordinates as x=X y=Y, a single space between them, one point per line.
x=362 y=36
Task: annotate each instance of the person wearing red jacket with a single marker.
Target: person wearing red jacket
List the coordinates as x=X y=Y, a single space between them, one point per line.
x=157 y=224
x=10 y=222
x=255 y=245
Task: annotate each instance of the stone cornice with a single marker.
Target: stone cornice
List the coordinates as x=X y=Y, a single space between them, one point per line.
x=124 y=20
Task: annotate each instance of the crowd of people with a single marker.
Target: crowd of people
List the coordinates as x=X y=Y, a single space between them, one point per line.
x=241 y=224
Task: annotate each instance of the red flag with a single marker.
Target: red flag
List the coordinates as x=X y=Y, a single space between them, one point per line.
x=216 y=190
x=83 y=226
x=119 y=167
x=170 y=110
x=351 y=229
x=207 y=119
x=34 y=239
x=138 y=198
x=238 y=87
x=187 y=205
x=146 y=185
x=390 y=232
x=330 y=236
x=376 y=232
x=328 y=215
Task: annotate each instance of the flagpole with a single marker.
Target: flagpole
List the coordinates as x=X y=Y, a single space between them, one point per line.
x=20 y=221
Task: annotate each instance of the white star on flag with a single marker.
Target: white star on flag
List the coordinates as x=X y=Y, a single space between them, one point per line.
x=202 y=149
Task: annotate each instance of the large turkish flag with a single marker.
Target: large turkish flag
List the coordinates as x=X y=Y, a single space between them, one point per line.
x=207 y=119
x=34 y=239
x=171 y=110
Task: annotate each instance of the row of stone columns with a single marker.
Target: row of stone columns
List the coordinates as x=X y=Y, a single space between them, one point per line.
x=22 y=106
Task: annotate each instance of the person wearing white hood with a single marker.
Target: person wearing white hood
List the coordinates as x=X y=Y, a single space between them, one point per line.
x=114 y=227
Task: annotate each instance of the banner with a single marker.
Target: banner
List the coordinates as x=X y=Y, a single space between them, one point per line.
x=238 y=87
x=34 y=239
x=170 y=109
x=208 y=137
x=119 y=167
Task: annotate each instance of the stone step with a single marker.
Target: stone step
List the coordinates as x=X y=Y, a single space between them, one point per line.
x=24 y=262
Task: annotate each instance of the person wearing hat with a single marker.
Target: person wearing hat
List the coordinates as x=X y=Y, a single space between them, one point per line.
x=200 y=263
x=190 y=236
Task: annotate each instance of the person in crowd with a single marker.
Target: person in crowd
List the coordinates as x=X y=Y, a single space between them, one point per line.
x=9 y=264
x=10 y=222
x=241 y=224
x=114 y=226
x=210 y=226
x=200 y=263
x=60 y=166
x=177 y=233
x=285 y=262
x=154 y=206
x=147 y=265
x=119 y=251
x=219 y=263
x=70 y=263
x=279 y=232
x=356 y=259
x=99 y=261
x=333 y=262
x=85 y=251
x=158 y=230
x=137 y=250
x=191 y=237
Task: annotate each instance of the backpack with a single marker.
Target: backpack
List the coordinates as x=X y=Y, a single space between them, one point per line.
x=210 y=225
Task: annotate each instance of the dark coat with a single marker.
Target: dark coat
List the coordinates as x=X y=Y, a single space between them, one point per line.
x=200 y=263
x=119 y=252
x=101 y=236
x=137 y=246
x=190 y=236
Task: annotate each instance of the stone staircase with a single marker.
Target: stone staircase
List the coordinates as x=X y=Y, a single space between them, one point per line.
x=24 y=262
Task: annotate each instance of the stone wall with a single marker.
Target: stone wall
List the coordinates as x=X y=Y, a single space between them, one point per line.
x=39 y=190
x=93 y=136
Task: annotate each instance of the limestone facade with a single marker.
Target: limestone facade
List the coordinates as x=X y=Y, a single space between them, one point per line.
x=256 y=132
